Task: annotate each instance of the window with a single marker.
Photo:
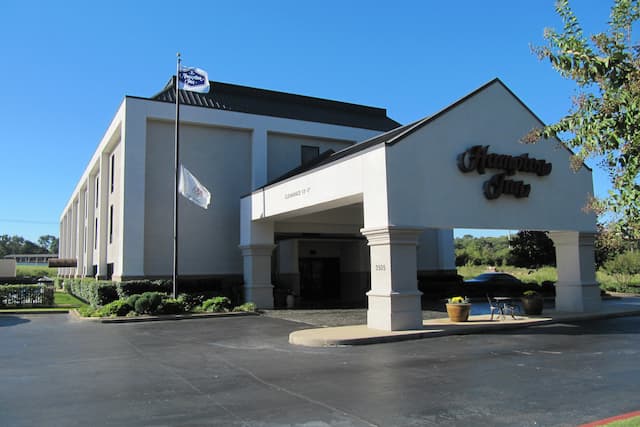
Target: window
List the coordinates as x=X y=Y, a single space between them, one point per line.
x=113 y=167
x=95 y=235
x=111 y=224
x=308 y=153
x=97 y=195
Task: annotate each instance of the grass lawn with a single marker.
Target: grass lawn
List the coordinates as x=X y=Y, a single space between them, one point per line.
x=35 y=271
x=625 y=420
x=65 y=299
x=629 y=422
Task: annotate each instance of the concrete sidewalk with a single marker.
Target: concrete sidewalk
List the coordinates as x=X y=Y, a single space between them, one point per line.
x=361 y=335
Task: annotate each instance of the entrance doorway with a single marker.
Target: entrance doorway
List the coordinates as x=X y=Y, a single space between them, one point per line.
x=319 y=279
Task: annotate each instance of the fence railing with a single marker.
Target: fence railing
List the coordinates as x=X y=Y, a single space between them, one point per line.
x=26 y=295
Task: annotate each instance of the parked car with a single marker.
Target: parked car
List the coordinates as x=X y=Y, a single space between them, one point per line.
x=494 y=279
x=494 y=284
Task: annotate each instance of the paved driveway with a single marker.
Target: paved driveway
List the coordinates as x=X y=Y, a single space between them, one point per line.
x=56 y=371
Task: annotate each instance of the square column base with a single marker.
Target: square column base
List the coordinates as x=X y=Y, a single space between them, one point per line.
x=577 y=297
x=260 y=295
x=394 y=312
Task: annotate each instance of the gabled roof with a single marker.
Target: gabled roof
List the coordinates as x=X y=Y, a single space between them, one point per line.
x=398 y=134
x=224 y=96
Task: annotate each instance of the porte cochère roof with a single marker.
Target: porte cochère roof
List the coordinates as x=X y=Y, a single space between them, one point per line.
x=243 y=99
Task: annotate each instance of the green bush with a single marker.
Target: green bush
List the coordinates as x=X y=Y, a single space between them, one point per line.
x=95 y=293
x=624 y=267
x=86 y=311
x=247 y=306
x=216 y=305
x=191 y=301
x=148 y=303
x=115 y=308
x=171 y=306
x=133 y=287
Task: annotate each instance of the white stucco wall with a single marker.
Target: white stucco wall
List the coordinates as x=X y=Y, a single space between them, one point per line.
x=208 y=239
x=284 y=151
x=7 y=268
x=425 y=186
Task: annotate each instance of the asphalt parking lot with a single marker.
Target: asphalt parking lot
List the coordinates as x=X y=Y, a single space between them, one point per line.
x=58 y=371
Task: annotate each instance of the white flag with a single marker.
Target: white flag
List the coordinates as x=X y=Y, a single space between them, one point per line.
x=191 y=188
x=193 y=79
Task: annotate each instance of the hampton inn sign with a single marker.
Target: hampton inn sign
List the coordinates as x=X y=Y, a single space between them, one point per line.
x=479 y=159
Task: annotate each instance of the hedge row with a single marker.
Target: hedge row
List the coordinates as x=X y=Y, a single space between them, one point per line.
x=95 y=293
x=26 y=295
x=101 y=293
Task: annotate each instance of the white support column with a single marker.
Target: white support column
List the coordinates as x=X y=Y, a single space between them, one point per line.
x=257 y=274
x=256 y=244
x=79 y=233
x=394 y=299
x=90 y=198
x=103 y=216
x=576 y=289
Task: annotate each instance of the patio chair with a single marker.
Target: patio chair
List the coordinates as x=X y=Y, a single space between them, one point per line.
x=511 y=309
x=495 y=307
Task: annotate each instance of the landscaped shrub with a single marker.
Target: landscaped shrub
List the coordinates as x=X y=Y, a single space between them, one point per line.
x=191 y=301
x=133 y=287
x=95 y=293
x=216 y=305
x=115 y=308
x=86 y=311
x=247 y=306
x=171 y=306
x=624 y=268
x=148 y=303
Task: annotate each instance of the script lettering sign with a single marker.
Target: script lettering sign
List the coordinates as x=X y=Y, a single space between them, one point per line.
x=478 y=158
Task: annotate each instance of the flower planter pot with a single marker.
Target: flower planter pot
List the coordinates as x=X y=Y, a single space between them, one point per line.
x=532 y=305
x=458 y=312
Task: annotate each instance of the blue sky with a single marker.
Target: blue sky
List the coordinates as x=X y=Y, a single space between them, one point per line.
x=67 y=65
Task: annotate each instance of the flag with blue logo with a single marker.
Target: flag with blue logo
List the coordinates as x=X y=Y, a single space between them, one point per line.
x=193 y=79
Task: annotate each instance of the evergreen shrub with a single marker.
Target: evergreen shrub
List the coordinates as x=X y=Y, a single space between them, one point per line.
x=216 y=305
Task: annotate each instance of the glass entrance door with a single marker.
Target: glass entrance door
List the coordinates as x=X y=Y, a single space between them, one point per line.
x=319 y=279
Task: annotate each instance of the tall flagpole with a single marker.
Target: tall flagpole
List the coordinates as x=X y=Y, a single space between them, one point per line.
x=175 y=182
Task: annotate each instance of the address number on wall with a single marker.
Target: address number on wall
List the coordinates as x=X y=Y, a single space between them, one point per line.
x=381 y=267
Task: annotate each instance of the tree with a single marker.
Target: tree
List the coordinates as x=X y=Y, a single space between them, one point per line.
x=604 y=121
x=18 y=245
x=609 y=243
x=49 y=243
x=532 y=249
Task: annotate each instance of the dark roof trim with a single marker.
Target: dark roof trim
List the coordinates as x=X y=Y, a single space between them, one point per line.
x=243 y=99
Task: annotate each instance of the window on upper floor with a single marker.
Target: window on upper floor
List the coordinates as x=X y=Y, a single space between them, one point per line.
x=111 y=224
x=97 y=195
x=308 y=153
x=112 y=170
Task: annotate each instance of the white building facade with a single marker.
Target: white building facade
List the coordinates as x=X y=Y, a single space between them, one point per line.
x=324 y=200
x=464 y=167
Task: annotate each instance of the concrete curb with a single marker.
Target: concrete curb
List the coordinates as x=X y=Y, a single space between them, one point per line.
x=28 y=311
x=361 y=335
x=160 y=318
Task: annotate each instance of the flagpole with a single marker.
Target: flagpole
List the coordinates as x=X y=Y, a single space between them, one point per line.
x=175 y=181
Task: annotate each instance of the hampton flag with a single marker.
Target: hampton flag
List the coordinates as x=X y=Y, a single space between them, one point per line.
x=193 y=79
x=191 y=188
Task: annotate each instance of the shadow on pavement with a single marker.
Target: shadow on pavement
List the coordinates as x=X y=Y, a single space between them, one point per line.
x=6 y=321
